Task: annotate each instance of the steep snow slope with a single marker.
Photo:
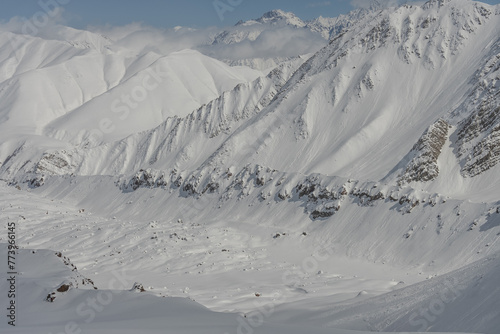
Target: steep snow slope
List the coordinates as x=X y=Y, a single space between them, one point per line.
x=347 y=111
x=43 y=80
x=181 y=142
x=381 y=150
x=268 y=64
x=58 y=93
x=174 y=85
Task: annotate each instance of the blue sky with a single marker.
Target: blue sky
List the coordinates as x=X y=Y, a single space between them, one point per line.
x=170 y=13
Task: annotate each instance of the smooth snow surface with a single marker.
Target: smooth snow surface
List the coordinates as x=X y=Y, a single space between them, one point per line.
x=346 y=191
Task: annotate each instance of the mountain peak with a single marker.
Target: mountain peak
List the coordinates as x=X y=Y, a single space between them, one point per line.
x=251 y=29
x=277 y=13
x=277 y=16
x=432 y=3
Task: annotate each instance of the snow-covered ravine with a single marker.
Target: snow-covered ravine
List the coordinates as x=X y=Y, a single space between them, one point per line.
x=245 y=253
x=112 y=309
x=220 y=262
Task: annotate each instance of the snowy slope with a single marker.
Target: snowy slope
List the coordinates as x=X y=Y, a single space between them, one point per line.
x=341 y=191
x=183 y=142
x=438 y=304
x=118 y=253
x=326 y=101
x=346 y=112
x=44 y=80
x=110 y=309
x=57 y=93
x=222 y=261
x=189 y=78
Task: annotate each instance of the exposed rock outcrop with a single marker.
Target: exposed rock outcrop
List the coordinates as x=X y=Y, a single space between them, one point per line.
x=479 y=133
x=423 y=166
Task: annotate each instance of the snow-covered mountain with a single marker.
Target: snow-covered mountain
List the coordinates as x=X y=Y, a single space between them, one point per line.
x=63 y=78
x=324 y=26
x=284 y=28
x=251 y=30
x=346 y=110
x=380 y=151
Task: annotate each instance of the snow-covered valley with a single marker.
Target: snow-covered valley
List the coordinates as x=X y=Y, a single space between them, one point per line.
x=349 y=190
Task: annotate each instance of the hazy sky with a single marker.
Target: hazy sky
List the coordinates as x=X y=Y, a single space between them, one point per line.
x=171 y=13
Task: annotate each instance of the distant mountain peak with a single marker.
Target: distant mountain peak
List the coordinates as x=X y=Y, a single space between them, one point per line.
x=251 y=29
x=277 y=16
x=276 y=13
x=432 y=3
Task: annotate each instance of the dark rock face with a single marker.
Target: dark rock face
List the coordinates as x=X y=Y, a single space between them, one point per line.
x=147 y=179
x=480 y=139
x=55 y=163
x=479 y=133
x=321 y=202
x=423 y=167
x=73 y=282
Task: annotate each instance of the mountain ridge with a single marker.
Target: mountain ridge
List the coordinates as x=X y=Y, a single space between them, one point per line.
x=381 y=147
x=376 y=39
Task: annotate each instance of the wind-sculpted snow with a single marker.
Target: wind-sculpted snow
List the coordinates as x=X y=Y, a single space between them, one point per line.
x=63 y=90
x=348 y=111
x=176 y=142
x=355 y=108
x=381 y=150
x=438 y=304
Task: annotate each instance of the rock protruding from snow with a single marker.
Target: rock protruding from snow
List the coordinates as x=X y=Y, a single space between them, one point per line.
x=479 y=133
x=322 y=202
x=74 y=281
x=423 y=167
x=485 y=153
x=146 y=178
x=277 y=16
